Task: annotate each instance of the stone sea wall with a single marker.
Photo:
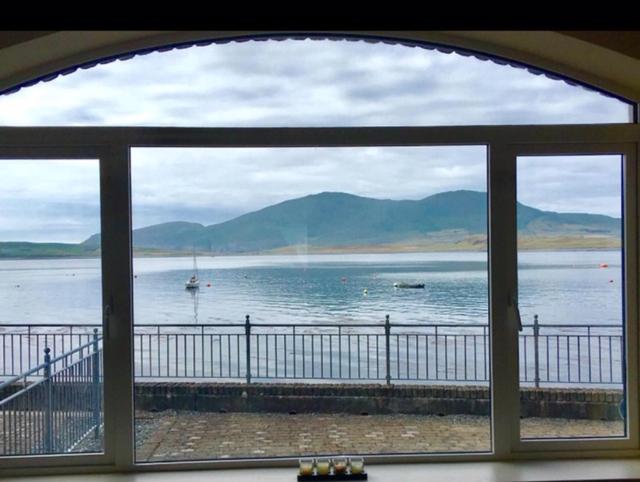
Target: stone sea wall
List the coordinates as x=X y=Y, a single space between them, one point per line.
x=570 y=403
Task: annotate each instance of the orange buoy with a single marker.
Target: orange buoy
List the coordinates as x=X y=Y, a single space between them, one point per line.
x=604 y=265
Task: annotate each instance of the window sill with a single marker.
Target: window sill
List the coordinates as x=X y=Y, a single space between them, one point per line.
x=517 y=471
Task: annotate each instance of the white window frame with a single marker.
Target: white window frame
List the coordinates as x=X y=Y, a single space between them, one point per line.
x=112 y=147
x=110 y=417
x=629 y=200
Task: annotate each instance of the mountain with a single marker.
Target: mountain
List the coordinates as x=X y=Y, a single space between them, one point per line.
x=340 y=220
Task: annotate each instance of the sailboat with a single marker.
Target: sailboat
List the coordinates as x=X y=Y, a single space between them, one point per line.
x=194 y=282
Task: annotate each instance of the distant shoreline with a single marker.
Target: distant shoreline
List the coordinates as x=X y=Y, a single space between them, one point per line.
x=526 y=243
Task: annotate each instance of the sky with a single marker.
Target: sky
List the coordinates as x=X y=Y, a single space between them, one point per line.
x=292 y=83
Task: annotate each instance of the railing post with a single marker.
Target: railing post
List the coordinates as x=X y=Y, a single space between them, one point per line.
x=95 y=376
x=29 y=348
x=589 y=351
x=48 y=401
x=387 y=336
x=247 y=334
x=536 y=332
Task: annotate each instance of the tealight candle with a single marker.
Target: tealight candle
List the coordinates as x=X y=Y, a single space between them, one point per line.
x=323 y=466
x=306 y=466
x=340 y=465
x=357 y=465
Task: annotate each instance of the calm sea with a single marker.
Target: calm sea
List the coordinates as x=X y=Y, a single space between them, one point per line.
x=568 y=287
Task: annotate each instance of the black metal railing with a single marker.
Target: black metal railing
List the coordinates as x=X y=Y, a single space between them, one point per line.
x=380 y=352
x=571 y=354
x=56 y=405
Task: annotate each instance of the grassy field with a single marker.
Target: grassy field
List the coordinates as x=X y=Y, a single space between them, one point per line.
x=471 y=243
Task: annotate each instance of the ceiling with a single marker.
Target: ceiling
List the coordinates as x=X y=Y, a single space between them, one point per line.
x=624 y=42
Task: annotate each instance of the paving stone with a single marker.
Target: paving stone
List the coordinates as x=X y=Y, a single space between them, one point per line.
x=164 y=435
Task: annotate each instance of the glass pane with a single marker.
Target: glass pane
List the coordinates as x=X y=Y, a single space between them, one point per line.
x=571 y=286
x=306 y=83
x=50 y=299
x=299 y=302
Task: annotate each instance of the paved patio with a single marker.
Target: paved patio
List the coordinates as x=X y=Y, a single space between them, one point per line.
x=171 y=435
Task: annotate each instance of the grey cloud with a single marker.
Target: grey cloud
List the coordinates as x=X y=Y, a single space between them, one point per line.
x=273 y=74
x=571 y=183
x=75 y=116
x=312 y=83
x=415 y=88
x=43 y=220
x=229 y=94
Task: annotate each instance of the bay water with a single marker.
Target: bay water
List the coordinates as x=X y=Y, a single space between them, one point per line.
x=562 y=287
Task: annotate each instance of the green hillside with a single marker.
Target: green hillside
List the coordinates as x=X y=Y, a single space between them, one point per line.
x=45 y=250
x=338 y=222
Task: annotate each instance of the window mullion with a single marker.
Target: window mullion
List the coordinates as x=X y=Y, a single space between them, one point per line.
x=117 y=304
x=503 y=289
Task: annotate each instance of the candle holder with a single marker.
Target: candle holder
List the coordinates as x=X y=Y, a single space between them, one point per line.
x=340 y=465
x=337 y=468
x=323 y=466
x=306 y=467
x=356 y=465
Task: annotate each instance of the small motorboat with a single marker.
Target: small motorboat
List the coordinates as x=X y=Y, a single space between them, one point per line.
x=409 y=285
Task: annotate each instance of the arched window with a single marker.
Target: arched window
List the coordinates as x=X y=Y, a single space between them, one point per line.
x=310 y=82
x=309 y=246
